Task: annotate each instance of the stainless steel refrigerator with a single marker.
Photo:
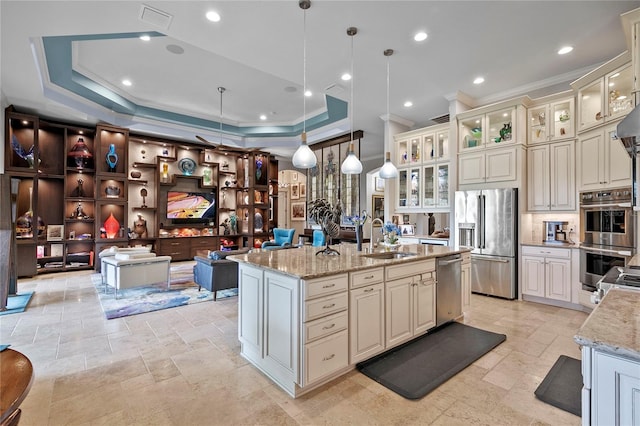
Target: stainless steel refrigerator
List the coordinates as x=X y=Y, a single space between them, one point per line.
x=487 y=221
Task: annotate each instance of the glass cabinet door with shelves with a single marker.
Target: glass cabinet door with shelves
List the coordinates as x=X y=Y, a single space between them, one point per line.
x=409 y=192
x=619 y=97
x=471 y=132
x=443 y=185
x=551 y=122
x=436 y=186
x=499 y=127
x=409 y=151
x=435 y=146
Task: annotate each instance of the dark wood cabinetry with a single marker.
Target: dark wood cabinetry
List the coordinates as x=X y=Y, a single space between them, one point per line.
x=76 y=191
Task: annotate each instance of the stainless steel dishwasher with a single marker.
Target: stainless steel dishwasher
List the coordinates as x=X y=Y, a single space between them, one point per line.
x=448 y=288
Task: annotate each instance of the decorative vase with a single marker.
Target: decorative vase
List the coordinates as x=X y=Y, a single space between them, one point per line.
x=80 y=156
x=111 y=226
x=359 y=237
x=112 y=158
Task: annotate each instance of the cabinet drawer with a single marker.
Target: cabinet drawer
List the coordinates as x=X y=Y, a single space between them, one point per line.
x=326 y=305
x=366 y=277
x=410 y=269
x=466 y=258
x=326 y=356
x=325 y=285
x=325 y=326
x=208 y=243
x=558 y=253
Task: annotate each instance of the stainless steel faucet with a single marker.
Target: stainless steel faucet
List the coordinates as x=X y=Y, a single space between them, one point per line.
x=377 y=219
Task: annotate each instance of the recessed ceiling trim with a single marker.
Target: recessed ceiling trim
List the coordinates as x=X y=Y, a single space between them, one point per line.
x=58 y=51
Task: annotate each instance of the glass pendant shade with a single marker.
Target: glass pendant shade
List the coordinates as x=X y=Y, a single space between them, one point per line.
x=388 y=170
x=304 y=158
x=351 y=165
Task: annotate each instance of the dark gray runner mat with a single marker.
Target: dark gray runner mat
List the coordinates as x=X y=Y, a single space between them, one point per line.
x=562 y=386
x=421 y=365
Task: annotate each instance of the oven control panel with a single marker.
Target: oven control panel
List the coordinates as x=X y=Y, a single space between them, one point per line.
x=620 y=195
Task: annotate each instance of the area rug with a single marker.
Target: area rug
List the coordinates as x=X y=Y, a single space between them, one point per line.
x=420 y=366
x=17 y=303
x=562 y=386
x=154 y=297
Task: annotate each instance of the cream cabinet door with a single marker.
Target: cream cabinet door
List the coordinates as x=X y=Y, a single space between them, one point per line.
x=398 y=298
x=563 y=183
x=538 y=178
x=465 y=278
x=471 y=168
x=616 y=390
x=533 y=276
x=618 y=160
x=281 y=322
x=424 y=304
x=501 y=165
x=250 y=322
x=558 y=279
x=366 y=322
x=591 y=155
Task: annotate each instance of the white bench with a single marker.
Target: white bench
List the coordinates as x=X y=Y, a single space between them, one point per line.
x=130 y=270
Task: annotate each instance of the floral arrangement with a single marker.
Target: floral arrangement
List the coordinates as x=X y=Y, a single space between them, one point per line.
x=391 y=233
x=359 y=220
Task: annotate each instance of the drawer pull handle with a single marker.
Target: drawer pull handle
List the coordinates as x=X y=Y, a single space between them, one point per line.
x=369 y=290
x=329 y=306
x=328 y=286
x=327 y=358
x=368 y=277
x=329 y=327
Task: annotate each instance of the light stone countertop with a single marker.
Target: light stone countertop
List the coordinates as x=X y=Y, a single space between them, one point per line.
x=302 y=262
x=614 y=325
x=543 y=244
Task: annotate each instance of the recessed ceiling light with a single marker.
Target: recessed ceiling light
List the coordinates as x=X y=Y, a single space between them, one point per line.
x=263 y=117
x=346 y=76
x=145 y=37
x=126 y=82
x=564 y=50
x=213 y=16
x=81 y=132
x=408 y=104
x=505 y=114
x=478 y=80
x=420 y=36
x=308 y=93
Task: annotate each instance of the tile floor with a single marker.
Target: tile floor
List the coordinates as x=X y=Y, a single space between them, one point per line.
x=182 y=366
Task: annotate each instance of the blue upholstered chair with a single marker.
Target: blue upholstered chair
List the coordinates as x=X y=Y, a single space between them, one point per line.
x=318 y=238
x=281 y=238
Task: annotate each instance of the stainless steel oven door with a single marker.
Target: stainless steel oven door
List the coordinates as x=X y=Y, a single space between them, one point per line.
x=595 y=261
x=607 y=225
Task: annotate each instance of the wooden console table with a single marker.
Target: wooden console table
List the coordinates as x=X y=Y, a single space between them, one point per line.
x=16 y=377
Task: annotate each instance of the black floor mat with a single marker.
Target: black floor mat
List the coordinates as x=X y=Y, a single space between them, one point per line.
x=418 y=367
x=562 y=386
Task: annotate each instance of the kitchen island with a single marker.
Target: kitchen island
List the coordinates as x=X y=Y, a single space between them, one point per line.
x=610 y=340
x=305 y=319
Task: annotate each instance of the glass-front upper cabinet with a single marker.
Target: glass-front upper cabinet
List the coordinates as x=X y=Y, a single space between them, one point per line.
x=487 y=129
x=436 y=186
x=435 y=146
x=409 y=151
x=409 y=188
x=552 y=121
x=606 y=99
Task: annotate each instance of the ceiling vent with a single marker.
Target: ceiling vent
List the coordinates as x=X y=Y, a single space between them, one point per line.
x=155 y=17
x=441 y=119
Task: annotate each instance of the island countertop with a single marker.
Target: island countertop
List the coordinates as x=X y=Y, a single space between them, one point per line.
x=614 y=325
x=302 y=262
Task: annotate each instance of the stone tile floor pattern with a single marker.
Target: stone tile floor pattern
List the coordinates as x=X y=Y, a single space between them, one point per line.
x=182 y=366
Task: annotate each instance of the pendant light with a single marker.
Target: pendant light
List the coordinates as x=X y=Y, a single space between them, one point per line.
x=388 y=170
x=351 y=165
x=304 y=158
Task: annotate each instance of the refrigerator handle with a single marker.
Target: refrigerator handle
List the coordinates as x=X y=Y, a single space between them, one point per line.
x=480 y=226
x=481 y=220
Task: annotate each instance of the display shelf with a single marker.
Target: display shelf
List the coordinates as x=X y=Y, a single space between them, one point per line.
x=138 y=165
x=138 y=181
x=112 y=150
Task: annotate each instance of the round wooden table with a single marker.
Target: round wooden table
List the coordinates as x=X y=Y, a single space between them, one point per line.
x=16 y=376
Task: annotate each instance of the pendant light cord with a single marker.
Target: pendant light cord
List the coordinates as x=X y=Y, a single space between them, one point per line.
x=221 y=91
x=352 y=78
x=304 y=73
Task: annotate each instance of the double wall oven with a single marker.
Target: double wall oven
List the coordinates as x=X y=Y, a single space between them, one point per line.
x=607 y=233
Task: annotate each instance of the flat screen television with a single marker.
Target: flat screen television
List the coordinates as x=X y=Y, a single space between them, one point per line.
x=183 y=206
